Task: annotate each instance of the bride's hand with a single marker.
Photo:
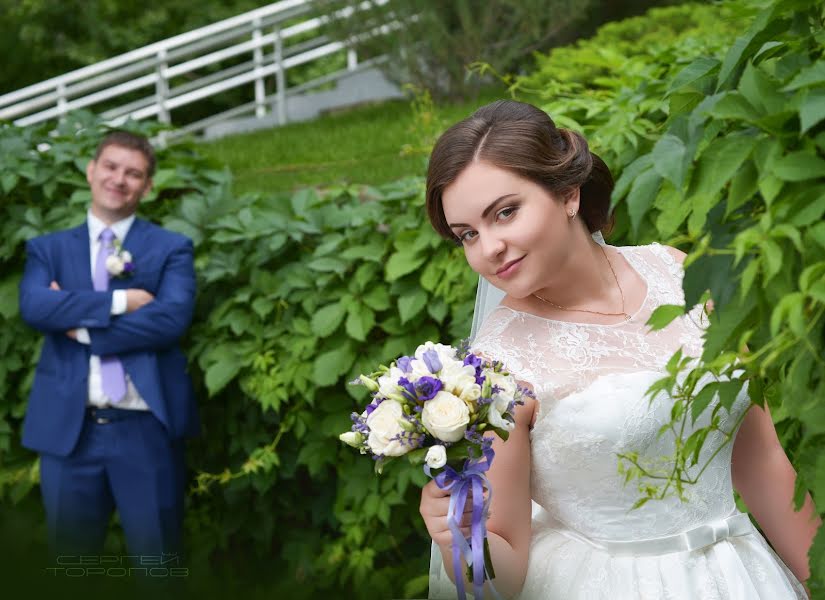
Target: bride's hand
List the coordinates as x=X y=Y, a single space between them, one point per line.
x=434 y=506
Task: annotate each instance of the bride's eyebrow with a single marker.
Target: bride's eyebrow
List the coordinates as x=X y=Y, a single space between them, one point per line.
x=487 y=210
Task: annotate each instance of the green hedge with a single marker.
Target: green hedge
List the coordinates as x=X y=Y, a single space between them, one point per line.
x=297 y=295
x=716 y=129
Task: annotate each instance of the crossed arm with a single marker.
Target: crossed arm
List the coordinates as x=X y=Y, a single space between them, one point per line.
x=55 y=311
x=150 y=323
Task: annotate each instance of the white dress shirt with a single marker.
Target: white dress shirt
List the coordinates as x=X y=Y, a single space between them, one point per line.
x=132 y=400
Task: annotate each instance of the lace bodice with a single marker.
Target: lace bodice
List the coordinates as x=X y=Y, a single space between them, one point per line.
x=590 y=382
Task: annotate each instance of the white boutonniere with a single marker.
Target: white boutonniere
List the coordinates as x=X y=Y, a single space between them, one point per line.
x=120 y=264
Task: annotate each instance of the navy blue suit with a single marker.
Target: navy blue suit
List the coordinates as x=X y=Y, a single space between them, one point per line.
x=87 y=470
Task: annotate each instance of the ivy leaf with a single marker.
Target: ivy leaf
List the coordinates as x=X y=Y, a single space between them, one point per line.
x=761 y=91
x=327 y=319
x=644 y=190
x=329 y=366
x=669 y=156
x=763 y=27
x=732 y=105
x=729 y=391
x=811 y=109
x=743 y=187
x=410 y=305
x=695 y=71
x=401 y=263
x=663 y=315
x=223 y=370
x=360 y=321
x=809 y=76
x=328 y=265
x=628 y=177
x=377 y=298
x=727 y=321
x=708 y=271
x=799 y=166
x=772 y=257
x=701 y=401
x=9 y=305
x=720 y=162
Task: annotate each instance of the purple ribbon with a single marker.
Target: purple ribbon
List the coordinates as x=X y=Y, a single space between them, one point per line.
x=459 y=484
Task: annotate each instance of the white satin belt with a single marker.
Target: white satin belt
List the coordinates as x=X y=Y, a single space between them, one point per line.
x=693 y=539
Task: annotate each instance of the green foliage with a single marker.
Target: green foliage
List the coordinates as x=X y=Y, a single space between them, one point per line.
x=717 y=135
x=298 y=294
x=439 y=40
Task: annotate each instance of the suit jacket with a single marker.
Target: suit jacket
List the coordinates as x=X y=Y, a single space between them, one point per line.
x=146 y=340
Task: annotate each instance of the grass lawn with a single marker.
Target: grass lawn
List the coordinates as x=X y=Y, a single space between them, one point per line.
x=365 y=144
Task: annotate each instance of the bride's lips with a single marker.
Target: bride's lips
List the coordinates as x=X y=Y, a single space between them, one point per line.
x=509 y=268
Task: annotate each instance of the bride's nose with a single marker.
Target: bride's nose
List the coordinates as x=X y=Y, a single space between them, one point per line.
x=492 y=246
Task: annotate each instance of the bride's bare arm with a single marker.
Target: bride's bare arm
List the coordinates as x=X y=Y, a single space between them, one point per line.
x=510 y=511
x=764 y=477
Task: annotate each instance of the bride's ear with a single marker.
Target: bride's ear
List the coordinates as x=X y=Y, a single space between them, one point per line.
x=572 y=201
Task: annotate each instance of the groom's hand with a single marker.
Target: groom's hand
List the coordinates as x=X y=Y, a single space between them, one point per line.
x=136 y=298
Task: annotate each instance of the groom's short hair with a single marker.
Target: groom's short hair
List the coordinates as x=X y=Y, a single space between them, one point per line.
x=133 y=141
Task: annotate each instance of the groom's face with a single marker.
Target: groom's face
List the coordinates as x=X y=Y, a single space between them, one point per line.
x=118 y=179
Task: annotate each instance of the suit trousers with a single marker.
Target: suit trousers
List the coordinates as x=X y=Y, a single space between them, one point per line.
x=123 y=460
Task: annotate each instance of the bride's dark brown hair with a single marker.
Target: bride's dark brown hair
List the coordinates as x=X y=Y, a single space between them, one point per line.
x=522 y=139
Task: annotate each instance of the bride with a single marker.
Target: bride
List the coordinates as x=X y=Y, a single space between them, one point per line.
x=527 y=201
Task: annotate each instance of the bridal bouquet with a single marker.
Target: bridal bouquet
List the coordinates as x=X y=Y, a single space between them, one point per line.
x=434 y=408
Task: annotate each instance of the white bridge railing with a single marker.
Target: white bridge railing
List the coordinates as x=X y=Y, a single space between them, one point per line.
x=184 y=69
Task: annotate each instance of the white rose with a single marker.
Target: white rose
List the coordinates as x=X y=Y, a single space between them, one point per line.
x=444 y=352
x=418 y=370
x=388 y=383
x=436 y=457
x=384 y=424
x=114 y=265
x=352 y=438
x=496 y=414
x=505 y=383
x=446 y=416
x=126 y=256
x=460 y=379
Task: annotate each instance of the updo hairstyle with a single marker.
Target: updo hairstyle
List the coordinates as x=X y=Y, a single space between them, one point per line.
x=522 y=139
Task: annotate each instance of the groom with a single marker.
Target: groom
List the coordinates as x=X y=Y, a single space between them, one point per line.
x=111 y=400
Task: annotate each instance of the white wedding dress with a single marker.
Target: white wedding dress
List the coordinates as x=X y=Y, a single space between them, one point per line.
x=590 y=383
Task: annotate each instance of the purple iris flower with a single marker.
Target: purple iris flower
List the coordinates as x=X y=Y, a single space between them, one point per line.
x=404 y=363
x=373 y=405
x=472 y=359
x=432 y=361
x=427 y=388
x=408 y=388
x=476 y=362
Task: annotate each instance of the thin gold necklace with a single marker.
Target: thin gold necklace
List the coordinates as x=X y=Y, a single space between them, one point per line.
x=595 y=312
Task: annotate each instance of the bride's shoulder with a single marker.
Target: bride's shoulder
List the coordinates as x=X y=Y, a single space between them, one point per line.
x=667 y=254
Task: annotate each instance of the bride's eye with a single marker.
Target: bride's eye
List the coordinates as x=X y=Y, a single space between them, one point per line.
x=506 y=213
x=467 y=236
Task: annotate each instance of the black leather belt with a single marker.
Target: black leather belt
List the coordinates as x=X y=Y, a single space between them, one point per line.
x=102 y=416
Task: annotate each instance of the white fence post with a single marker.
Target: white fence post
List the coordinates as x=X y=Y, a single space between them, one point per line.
x=352 y=59
x=258 y=58
x=162 y=87
x=61 y=100
x=280 y=78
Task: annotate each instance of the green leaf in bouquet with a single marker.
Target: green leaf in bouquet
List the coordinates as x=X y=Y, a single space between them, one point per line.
x=417 y=456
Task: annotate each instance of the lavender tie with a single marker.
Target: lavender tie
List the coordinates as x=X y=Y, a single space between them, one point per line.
x=112 y=377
